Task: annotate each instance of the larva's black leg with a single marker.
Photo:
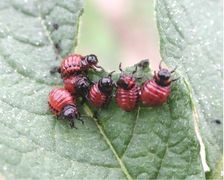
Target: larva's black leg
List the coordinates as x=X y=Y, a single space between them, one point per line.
x=175 y=79
x=120 y=68
x=95 y=114
x=82 y=101
x=55 y=69
x=80 y=119
x=72 y=124
x=160 y=65
x=107 y=103
x=139 y=78
x=99 y=67
x=173 y=70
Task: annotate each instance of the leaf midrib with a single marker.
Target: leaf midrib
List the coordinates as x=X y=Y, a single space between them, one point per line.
x=132 y=133
x=122 y=165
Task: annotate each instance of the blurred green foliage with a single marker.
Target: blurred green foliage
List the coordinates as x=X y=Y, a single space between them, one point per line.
x=98 y=34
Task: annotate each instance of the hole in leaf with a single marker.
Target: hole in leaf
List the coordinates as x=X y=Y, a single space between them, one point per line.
x=217 y=121
x=55 y=26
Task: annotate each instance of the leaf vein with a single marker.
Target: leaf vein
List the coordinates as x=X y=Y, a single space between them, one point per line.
x=122 y=165
x=132 y=133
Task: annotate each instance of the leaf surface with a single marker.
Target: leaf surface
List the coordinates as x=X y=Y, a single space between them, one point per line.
x=191 y=38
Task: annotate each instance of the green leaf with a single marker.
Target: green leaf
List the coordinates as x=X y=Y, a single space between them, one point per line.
x=191 y=38
x=156 y=143
x=147 y=143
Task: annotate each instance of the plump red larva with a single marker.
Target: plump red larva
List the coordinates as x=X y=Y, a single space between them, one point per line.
x=62 y=104
x=127 y=93
x=100 y=93
x=156 y=91
x=77 y=85
x=75 y=64
x=72 y=64
x=153 y=94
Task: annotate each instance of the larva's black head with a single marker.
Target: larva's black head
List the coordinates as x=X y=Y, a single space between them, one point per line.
x=162 y=77
x=83 y=86
x=106 y=84
x=164 y=74
x=69 y=112
x=126 y=81
x=91 y=59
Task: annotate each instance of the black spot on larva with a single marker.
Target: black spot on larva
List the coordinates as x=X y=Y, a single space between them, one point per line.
x=217 y=121
x=55 y=26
